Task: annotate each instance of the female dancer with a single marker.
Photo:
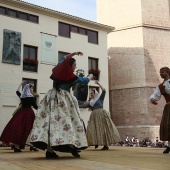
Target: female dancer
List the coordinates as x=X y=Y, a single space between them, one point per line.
x=58 y=125
x=19 y=127
x=18 y=93
x=100 y=130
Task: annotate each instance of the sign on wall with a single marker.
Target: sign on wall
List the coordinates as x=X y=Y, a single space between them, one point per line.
x=48 y=48
x=11 y=47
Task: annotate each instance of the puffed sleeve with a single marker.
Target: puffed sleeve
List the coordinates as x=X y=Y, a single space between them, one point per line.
x=156 y=95
x=82 y=80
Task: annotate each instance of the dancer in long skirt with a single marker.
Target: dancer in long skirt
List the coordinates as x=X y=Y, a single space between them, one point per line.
x=164 y=89
x=100 y=130
x=58 y=125
x=18 y=93
x=19 y=127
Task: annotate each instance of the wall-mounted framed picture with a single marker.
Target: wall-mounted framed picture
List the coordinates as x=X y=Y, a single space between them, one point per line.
x=11 y=47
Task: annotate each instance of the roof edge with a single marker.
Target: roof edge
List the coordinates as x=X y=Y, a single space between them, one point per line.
x=57 y=14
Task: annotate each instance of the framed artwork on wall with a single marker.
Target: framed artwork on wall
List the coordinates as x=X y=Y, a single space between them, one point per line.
x=11 y=47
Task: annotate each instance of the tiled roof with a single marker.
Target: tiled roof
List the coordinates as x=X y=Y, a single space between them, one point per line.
x=60 y=15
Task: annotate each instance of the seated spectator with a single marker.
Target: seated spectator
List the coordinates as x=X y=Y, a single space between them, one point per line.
x=127 y=141
x=137 y=142
x=133 y=140
x=156 y=142
x=146 y=142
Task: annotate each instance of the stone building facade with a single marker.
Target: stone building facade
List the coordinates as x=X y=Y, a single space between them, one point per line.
x=138 y=48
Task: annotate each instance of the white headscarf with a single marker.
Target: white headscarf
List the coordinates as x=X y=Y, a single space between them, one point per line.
x=26 y=92
x=96 y=97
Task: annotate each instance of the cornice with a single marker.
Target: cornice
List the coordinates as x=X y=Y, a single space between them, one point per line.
x=58 y=15
x=142 y=25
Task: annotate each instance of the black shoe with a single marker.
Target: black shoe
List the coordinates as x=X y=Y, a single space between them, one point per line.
x=12 y=147
x=167 y=150
x=105 y=148
x=22 y=147
x=75 y=154
x=51 y=155
x=96 y=146
x=33 y=148
x=17 y=150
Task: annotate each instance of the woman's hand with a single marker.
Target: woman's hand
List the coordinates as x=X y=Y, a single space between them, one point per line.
x=99 y=85
x=85 y=104
x=96 y=82
x=90 y=76
x=153 y=101
x=23 y=81
x=79 y=53
x=72 y=54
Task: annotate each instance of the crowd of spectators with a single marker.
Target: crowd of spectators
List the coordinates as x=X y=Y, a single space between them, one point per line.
x=146 y=142
x=134 y=142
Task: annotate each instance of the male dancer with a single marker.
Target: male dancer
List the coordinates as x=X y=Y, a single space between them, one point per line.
x=164 y=89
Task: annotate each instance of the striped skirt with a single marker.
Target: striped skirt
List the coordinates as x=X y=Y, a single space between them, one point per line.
x=165 y=124
x=101 y=130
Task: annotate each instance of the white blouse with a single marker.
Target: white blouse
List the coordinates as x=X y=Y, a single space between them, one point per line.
x=157 y=94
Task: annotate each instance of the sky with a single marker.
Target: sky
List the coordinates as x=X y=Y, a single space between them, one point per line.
x=81 y=8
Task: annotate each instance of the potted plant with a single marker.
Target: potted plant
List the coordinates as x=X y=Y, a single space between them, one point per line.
x=30 y=64
x=30 y=61
x=95 y=72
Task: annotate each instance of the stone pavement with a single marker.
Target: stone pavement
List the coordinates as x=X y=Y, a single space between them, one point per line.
x=116 y=158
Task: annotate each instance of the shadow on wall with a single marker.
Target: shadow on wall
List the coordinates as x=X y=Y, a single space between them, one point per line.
x=132 y=79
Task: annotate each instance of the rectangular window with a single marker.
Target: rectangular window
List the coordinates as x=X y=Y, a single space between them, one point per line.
x=2 y=10
x=92 y=36
x=30 y=62
x=93 y=65
x=64 y=29
x=23 y=15
x=61 y=54
x=82 y=31
x=18 y=14
x=12 y=13
x=93 y=62
x=74 y=29
x=33 y=18
x=26 y=53
x=30 y=52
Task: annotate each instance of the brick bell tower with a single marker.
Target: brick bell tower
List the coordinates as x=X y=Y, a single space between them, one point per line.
x=138 y=47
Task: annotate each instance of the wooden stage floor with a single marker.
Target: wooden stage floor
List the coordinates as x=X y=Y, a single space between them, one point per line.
x=116 y=158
